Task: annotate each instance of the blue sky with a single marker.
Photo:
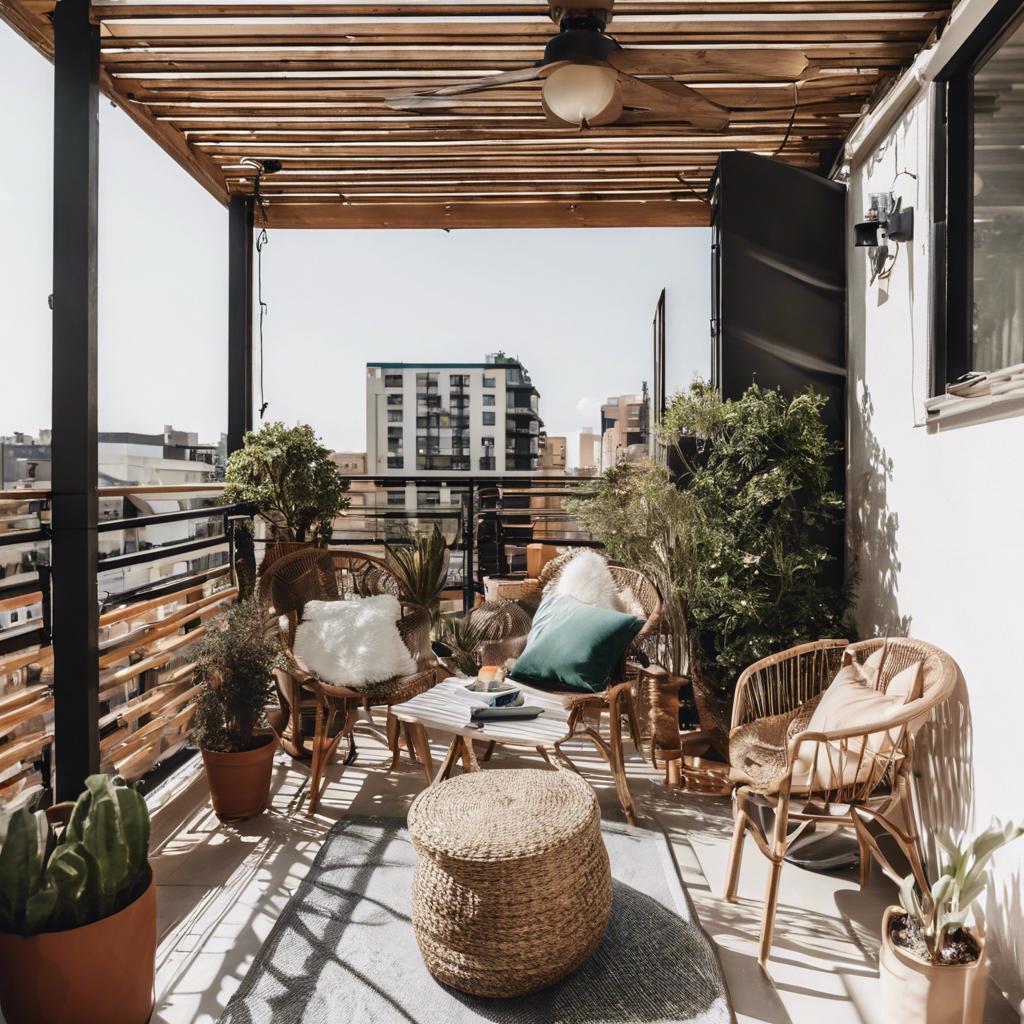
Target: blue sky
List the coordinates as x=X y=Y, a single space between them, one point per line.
x=574 y=305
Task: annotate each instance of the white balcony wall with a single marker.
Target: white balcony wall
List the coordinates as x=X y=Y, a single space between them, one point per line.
x=936 y=526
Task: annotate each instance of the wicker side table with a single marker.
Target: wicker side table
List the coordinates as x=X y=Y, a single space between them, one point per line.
x=512 y=888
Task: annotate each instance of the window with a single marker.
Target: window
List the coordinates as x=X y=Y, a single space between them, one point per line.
x=489 y=381
x=460 y=380
x=488 y=420
x=487 y=462
x=396 y=462
x=394 y=415
x=488 y=399
x=395 y=399
x=487 y=440
x=396 y=498
x=430 y=499
x=392 y=380
x=979 y=192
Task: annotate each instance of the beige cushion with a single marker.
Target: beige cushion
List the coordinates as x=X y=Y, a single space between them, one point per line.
x=852 y=702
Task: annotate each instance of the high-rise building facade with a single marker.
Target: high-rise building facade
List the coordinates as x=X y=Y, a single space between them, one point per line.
x=445 y=418
x=624 y=429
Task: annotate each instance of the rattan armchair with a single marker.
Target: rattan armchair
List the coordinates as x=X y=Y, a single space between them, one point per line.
x=314 y=574
x=843 y=777
x=628 y=682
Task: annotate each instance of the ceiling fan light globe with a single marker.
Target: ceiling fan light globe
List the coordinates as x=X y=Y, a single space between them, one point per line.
x=582 y=93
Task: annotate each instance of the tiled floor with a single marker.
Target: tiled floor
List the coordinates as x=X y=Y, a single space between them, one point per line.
x=222 y=886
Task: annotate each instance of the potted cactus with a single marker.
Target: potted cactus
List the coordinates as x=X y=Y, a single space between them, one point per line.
x=78 y=911
x=932 y=965
x=234 y=666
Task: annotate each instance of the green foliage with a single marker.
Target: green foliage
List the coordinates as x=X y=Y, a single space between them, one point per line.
x=760 y=484
x=421 y=567
x=288 y=475
x=96 y=868
x=937 y=914
x=648 y=524
x=234 y=663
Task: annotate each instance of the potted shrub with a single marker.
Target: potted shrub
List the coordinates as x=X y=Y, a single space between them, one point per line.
x=78 y=911
x=234 y=666
x=287 y=476
x=758 y=471
x=932 y=965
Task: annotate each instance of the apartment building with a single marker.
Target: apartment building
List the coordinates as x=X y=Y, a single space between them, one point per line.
x=552 y=459
x=624 y=429
x=590 y=452
x=452 y=418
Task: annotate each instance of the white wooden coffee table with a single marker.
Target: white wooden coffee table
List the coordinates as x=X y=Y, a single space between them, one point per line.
x=439 y=711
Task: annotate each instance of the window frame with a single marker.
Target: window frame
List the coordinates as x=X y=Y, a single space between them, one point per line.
x=953 y=191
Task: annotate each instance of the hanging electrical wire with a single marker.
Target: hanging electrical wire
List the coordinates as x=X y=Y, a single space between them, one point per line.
x=262 y=240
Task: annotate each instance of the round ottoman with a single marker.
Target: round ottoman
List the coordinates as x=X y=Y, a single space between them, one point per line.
x=512 y=889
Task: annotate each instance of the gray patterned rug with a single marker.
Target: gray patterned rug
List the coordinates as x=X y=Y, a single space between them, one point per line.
x=343 y=950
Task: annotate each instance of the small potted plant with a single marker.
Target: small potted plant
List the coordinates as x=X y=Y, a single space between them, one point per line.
x=234 y=665
x=421 y=567
x=78 y=911
x=932 y=965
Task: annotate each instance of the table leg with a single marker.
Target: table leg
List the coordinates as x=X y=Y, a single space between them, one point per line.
x=418 y=744
x=469 y=761
x=454 y=753
x=488 y=751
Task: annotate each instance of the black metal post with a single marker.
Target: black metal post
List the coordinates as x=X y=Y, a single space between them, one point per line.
x=468 y=537
x=240 y=247
x=74 y=455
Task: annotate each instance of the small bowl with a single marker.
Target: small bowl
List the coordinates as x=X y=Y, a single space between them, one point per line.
x=498 y=694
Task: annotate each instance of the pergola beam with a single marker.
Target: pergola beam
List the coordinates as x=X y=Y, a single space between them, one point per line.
x=74 y=547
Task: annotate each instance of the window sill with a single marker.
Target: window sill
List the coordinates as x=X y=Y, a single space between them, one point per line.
x=944 y=408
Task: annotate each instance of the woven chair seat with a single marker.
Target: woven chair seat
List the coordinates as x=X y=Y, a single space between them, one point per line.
x=512 y=889
x=757 y=750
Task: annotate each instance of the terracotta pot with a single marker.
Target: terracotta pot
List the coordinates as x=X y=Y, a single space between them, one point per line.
x=101 y=973
x=917 y=992
x=240 y=783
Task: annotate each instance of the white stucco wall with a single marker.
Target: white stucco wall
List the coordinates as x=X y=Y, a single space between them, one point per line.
x=936 y=525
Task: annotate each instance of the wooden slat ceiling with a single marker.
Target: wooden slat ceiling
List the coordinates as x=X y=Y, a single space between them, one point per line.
x=305 y=83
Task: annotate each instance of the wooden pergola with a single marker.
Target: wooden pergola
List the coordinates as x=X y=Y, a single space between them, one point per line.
x=229 y=87
x=304 y=83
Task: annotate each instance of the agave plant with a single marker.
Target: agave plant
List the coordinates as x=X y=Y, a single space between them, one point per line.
x=939 y=913
x=421 y=568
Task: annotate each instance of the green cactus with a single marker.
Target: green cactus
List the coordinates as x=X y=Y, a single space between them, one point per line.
x=94 y=869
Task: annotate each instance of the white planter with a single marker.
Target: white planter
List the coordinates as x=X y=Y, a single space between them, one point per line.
x=917 y=992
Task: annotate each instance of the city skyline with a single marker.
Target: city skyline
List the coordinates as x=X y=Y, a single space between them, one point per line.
x=574 y=305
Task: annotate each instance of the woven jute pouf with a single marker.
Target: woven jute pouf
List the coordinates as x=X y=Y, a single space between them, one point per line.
x=512 y=888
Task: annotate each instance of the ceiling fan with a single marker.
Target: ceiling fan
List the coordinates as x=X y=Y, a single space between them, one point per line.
x=589 y=79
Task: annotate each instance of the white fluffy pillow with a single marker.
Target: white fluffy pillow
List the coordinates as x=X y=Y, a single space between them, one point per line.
x=587 y=579
x=353 y=643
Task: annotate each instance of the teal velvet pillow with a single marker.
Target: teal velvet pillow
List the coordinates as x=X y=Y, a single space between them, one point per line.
x=574 y=645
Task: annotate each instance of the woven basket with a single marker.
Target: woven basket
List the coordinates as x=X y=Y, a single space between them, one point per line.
x=512 y=889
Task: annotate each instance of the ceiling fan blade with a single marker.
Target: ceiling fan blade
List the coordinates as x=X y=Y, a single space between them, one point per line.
x=674 y=99
x=744 y=64
x=436 y=98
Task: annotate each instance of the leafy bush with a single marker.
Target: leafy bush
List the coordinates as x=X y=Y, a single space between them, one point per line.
x=648 y=524
x=96 y=868
x=288 y=476
x=935 y=917
x=758 y=473
x=234 y=664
